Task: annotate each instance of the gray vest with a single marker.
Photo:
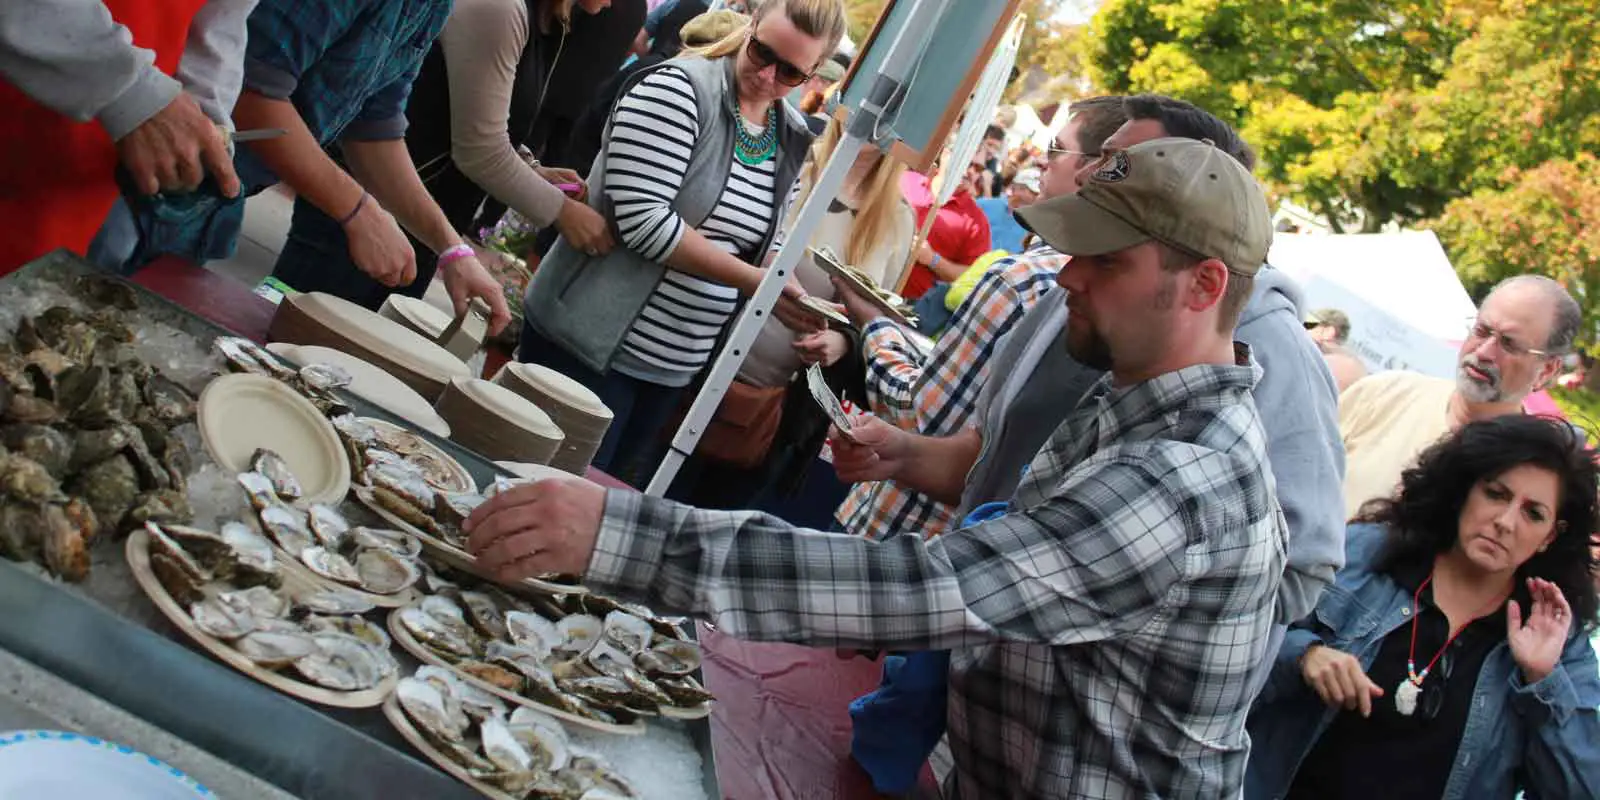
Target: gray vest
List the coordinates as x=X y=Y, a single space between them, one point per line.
x=588 y=304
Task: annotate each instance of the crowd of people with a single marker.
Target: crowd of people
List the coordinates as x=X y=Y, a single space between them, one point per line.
x=1131 y=521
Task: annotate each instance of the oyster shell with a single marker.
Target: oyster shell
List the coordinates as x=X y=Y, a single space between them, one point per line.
x=383 y=572
x=84 y=394
x=502 y=748
x=330 y=565
x=261 y=602
x=579 y=632
x=610 y=661
x=424 y=704
x=208 y=548
x=162 y=544
x=66 y=547
x=259 y=489
x=602 y=690
x=169 y=402
x=254 y=563
x=27 y=408
x=223 y=619
x=342 y=663
x=275 y=648
x=408 y=512
x=685 y=692
x=287 y=527
x=349 y=625
x=628 y=633
x=532 y=631
x=452 y=688
x=333 y=601
x=434 y=634
x=593 y=773
x=453 y=508
x=152 y=473
x=174 y=576
x=398 y=542
x=21 y=532
x=162 y=505
x=125 y=396
x=51 y=448
x=670 y=657
x=328 y=525
x=325 y=377
x=484 y=614
x=542 y=736
x=101 y=291
x=492 y=674
x=93 y=447
x=27 y=481
x=272 y=465
x=110 y=488
x=236 y=357
x=449 y=614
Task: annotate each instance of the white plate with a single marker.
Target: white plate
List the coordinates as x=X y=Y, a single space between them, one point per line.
x=370 y=383
x=239 y=414
x=527 y=472
x=508 y=406
x=559 y=387
x=431 y=321
x=69 y=766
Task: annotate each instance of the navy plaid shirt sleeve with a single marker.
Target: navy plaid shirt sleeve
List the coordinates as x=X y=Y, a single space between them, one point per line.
x=1095 y=561
x=286 y=37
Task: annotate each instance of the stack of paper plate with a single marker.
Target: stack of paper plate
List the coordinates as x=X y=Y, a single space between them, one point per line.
x=576 y=410
x=498 y=423
x=327 y=321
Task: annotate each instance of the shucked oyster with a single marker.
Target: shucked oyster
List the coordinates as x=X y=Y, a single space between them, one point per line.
x=328 y=525
x=435 y=635
x=272 y=465
x=287 y=527
x=259 y=489
x=224 y=620
x=400 y=543
x=627 y=632
x=484 y=614
x=275 y=648
x=532 y=631
x=330 y=565
x=342 y=663
x=254 y=563
x=350 y=625
x=543 y=736
x=671 y=657
x=383 y=572
x=407 y=511
x=333 y=601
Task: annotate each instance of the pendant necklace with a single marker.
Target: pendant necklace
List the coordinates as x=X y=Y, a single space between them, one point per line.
x=1410 y=688
x=754 y=150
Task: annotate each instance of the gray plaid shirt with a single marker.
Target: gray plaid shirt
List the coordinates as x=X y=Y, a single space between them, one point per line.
x=1104 y=634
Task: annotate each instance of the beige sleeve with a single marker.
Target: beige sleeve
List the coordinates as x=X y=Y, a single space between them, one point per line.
x=483 y=41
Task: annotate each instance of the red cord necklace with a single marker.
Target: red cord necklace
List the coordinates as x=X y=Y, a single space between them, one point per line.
x=1406 y=694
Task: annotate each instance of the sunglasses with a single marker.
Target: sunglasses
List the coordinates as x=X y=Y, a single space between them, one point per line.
x=764 y=56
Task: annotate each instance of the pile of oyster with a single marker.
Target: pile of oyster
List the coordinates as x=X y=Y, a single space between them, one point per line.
x=525 y=754
x=371 y=559
x=583 y=654
x=87 y=430
x=229 y=581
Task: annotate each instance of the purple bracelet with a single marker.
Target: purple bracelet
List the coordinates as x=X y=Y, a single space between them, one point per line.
x=360 y=204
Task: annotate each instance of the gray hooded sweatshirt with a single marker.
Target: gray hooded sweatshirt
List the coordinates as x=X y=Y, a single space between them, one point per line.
x=1296 y=398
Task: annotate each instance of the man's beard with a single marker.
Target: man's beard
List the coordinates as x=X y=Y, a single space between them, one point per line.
x=1090 y=349
x=1475 y=390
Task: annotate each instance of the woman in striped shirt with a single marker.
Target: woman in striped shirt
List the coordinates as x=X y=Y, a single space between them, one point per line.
x=696 y=172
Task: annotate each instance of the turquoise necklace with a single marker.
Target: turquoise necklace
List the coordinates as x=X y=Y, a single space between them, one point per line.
x=752 y=150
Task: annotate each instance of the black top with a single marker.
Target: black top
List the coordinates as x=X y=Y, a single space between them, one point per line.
x=1391 y=755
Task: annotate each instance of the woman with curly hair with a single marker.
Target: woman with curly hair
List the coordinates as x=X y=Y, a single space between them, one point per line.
x=1451 y=657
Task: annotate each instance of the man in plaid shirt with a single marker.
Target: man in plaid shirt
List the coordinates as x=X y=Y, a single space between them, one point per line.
x=1105 y=632
x=934 y=392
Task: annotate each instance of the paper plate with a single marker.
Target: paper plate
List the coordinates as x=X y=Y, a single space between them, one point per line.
x=558 y=387
x=528 y=472
x=239 y=414
x=421 y=315
x=68 y=766
x=370 y=383
x=322 y=319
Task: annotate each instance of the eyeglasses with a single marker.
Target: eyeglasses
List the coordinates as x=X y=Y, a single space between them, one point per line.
x=1052 y=151
x=764 y=56
x=1480 y=331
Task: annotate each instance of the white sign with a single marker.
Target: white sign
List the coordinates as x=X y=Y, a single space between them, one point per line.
x=1382 y=340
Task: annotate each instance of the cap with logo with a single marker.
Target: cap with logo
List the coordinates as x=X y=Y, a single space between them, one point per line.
x=1185 y=193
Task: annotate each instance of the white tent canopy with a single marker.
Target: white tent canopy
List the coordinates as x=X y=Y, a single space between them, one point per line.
x=1407 y=308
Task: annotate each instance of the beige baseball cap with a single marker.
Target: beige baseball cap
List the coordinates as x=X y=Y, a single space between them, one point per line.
x=1185 y=193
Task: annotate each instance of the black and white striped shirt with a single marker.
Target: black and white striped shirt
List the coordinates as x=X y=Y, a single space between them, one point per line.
x=652 y=137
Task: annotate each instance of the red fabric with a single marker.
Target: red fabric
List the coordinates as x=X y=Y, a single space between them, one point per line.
x=58 y=174
x=960 y=232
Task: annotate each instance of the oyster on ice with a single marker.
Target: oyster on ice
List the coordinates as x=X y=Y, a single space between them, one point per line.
x=502 y=747
x=544 y=737
x=685 y=692
x=51 y=448
x=287 y=527
x=169 y=402
x=27 y=481
x=259 y=489
x=272 y=465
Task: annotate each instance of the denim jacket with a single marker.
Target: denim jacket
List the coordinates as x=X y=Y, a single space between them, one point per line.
x=1543 y=738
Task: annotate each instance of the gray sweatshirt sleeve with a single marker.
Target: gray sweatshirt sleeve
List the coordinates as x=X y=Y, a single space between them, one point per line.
x=212 y=69
x=69 y=55
x=1299 y=409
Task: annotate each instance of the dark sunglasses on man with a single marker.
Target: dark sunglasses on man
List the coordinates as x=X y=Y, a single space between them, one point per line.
x=764 y=56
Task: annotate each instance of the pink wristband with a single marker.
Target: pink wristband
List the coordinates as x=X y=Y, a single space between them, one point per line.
x=452 y=253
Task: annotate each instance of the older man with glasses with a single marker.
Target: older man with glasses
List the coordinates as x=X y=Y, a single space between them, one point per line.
x=1513 y=349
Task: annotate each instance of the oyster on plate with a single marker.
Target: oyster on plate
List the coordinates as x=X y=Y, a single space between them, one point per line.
x=492 y=674
x=424 y=703
x=330 y=565
x=673 y=657
x=628 y=633
x=429 y=631
x=484 y=614
x=532 y=632
x=407 y=511
x=254 y=562
x=383 y=572
x=398 y=542
x=333 y=601
x=342 y=663
x=685 y=692
x=225 y=620
x=258 y=488
x=544 y=738
x=272 y=465
x=277 y=648
x=350 y=625
x=287 y=527
x=328 y=525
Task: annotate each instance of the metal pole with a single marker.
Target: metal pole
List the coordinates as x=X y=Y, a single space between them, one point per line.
x=862 y=127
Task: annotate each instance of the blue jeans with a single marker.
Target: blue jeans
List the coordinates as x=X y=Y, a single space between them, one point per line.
x=634 y=444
